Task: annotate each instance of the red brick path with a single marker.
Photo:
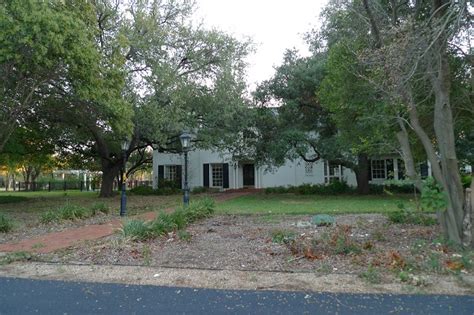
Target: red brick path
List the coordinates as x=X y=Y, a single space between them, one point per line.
x=58 y=240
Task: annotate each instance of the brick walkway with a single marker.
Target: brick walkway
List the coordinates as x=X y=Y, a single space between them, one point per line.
x=58 y=240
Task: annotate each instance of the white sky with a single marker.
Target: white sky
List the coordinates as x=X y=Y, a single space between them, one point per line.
x=274 y=26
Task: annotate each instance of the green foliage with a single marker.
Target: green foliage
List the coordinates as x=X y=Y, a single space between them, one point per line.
x=99 y=207
x=165 y=223
x=15 y=256
x=432 y=196
x=49 y=217
x=6 y=224
x=184 y=235
x=282 y=236
x=333 y=188
x=342 y=243
x=149 y=191
x=466 y=180
x=371 y=275
x=408 y=216
x=136 y=230
x=73 y=212
x=323 y=220
x=12 y=199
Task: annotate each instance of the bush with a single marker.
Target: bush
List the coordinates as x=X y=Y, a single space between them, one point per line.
x=99 y=207
x=333 y=188
x=12 y=199
x=49 y=216
x=466 y=180
x=168 y=222
x=73 y=212
x=407 y=216
x=282 y=236
x=142 y=191
x=136 y=230
x=6 y=224
x=149 y=191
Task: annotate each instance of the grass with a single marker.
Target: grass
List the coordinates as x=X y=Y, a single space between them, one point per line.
x=311 y=204
x=27 y=208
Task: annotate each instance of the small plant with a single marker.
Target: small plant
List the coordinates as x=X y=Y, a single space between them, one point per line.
x=184 y=235
x=49 y=217
x=99 y=207
x=434 y=262
x=342 y=243
x=136 y=230
x=146 y=253
x=6 y=224
x=372 y=275
x=282 y=236
x=199 y=190
x=73 y=212
x=323 y=220
x=432 y=196
x=379 y=234
x=407 y=216
x=15 y=256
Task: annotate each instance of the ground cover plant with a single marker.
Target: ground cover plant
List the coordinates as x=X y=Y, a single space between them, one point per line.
x=6 y=224
x=164 y=223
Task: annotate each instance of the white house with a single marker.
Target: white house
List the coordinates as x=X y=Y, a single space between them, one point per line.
x=220 y=170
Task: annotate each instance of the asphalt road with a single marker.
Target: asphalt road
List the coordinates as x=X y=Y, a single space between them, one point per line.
x=24 y=296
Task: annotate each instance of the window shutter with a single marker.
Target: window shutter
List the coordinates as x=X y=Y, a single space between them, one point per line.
x=225 y=175
x=205 y=175
x=179 y=176
x=161 y=173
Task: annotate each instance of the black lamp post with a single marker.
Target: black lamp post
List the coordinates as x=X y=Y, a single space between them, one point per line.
x=123 y=198
x=185 y=144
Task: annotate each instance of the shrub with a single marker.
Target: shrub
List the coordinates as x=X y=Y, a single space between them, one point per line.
x=282 y=236
x=168 y=222
x=199 y=190
x=12 y=199
x=333 y=188
x=407 y=216
x=136 y=230
x=99 y=207
x=149 y=191
x=6 y=224
x=466 y=180
x=49 y=216
x=142 y=191
x=322 y=220
x=73 y=212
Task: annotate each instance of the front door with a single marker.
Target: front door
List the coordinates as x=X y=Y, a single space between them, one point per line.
x=249 y=174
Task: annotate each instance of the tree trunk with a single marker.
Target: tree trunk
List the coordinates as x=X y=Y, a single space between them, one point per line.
x=407 y=155
x=362 y=174
x=452 y=218
x=109 y=173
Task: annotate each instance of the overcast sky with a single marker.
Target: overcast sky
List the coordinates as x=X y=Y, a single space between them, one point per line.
x=274 y=25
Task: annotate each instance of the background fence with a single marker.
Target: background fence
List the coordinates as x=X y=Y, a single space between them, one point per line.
x=70 y=185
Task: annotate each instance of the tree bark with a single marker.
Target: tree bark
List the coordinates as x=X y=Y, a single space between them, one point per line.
x=407 y=155
x=110 y=171
x=362 y=174
x=452 y=218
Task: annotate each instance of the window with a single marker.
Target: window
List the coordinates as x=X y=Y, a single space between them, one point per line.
x=171 y=172
x=332 y=172
x=308 y=168
x=378 y=169
x=217 y=175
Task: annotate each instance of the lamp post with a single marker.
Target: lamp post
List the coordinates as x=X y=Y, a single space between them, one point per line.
x=123 y=198
x=185 y=144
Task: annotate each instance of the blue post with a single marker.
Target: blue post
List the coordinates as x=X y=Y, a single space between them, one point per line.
x=123 y=197
x=186 y=188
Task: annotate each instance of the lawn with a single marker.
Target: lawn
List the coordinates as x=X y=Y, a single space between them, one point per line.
x=29 y=205
x=312 y=204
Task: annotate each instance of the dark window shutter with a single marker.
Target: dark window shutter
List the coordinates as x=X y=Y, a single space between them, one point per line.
x=179 y=176
x=370 y=169
x=401 y=169
x=205 y=175
x=161 y=172
x=225 y=175
x=424 y=170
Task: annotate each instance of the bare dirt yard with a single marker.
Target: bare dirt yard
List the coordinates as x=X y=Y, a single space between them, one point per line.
x=360 y=253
